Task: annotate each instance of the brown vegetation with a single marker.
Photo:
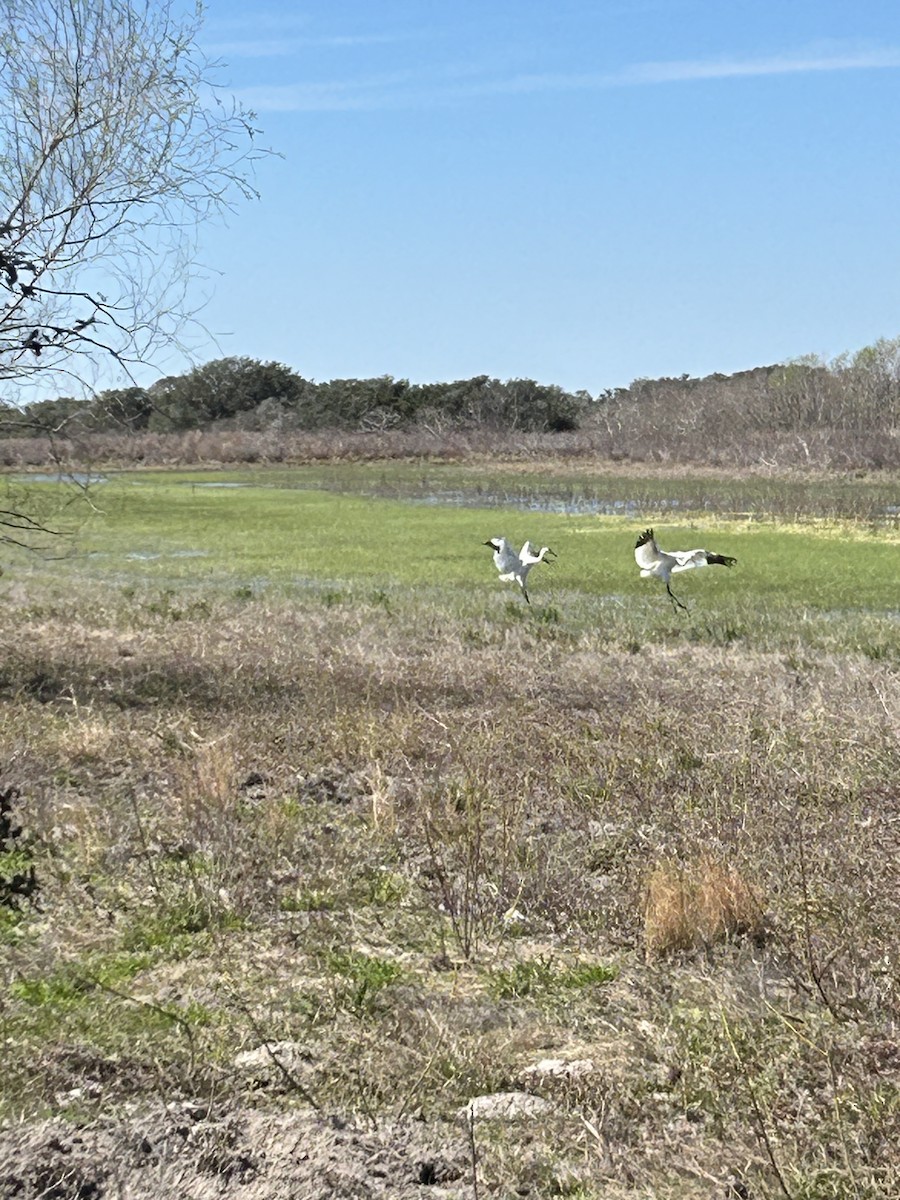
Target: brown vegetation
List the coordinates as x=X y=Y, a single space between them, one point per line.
x=633 y=444
x=329 y=866
x=698 y=903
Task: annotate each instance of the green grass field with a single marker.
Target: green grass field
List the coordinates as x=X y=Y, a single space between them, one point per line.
x=815 y=581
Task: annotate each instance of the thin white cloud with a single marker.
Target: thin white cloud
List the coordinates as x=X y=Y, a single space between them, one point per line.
x=282 y=46
x=254 y=22
x=310 y=97
x=418 y=87
x=388 y=90
x=689 y=71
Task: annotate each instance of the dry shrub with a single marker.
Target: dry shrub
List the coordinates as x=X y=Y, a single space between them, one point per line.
x=208 y=779
x=91 y=739
x=697 y=903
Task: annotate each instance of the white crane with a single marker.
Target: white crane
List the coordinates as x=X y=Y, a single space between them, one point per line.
x=514 y=566
x=665 y=563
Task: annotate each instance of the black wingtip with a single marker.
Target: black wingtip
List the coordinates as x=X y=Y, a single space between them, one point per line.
x=646 y=536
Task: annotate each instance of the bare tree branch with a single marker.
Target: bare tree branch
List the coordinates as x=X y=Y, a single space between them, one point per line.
x=115 y=145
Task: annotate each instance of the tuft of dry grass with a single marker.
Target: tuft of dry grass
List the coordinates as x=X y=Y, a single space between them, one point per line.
x=697 y=903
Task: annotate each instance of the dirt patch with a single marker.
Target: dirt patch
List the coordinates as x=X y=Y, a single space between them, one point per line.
x=250 y=1155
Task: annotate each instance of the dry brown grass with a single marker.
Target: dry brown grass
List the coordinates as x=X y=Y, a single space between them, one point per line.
x=641 y=435
x=372 y=836
x=698 y=903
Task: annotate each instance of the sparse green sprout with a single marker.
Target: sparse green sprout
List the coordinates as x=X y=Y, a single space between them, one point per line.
x=360 y=979
x=547 y=978
x=308 y=900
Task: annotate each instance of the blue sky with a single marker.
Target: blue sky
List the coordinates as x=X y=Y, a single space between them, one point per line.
x=577 y=192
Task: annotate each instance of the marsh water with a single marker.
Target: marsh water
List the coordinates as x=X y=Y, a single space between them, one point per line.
x=851 y=496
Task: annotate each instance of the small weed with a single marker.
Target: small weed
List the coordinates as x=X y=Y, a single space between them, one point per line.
x=70 y=984
x=547 y=615
x=386 y=888
x=877 y=652
x=588 y=975
x=455 y=826
x=165 y=607
x=361 y=977
x=61 y=990
x=290 y=807
x=364 y=968
x=543 y=977
x=473 y=636
x=686 y=760
x=174 y=926
x=17 y=878
x=523 y=979
x=828 y=1184
x=199 y=610
x=724 y=633
x=307 y=900
x=171 y=742
x=11 y=926
x=798 y=664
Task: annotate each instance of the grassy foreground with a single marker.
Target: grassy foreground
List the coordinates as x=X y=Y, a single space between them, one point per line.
x=327 y=823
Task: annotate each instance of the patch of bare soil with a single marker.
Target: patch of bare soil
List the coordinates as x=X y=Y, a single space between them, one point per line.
x=246 y=1155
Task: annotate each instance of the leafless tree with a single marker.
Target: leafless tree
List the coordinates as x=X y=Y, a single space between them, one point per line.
x=115 y=147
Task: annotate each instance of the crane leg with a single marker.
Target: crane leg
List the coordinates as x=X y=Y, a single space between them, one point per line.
x=675 y=601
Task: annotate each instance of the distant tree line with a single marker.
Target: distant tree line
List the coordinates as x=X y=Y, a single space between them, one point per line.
x=854 y=394
x=809 y=412
x=245 y=394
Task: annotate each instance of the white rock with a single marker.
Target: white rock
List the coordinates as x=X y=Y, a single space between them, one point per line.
x=262 y=1057
x=559 y=1068
x=506 y=1106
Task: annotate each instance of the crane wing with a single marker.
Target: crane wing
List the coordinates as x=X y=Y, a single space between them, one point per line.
x=527 y=555
x=507 y=559
x=686 y=560
x=646 y=551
